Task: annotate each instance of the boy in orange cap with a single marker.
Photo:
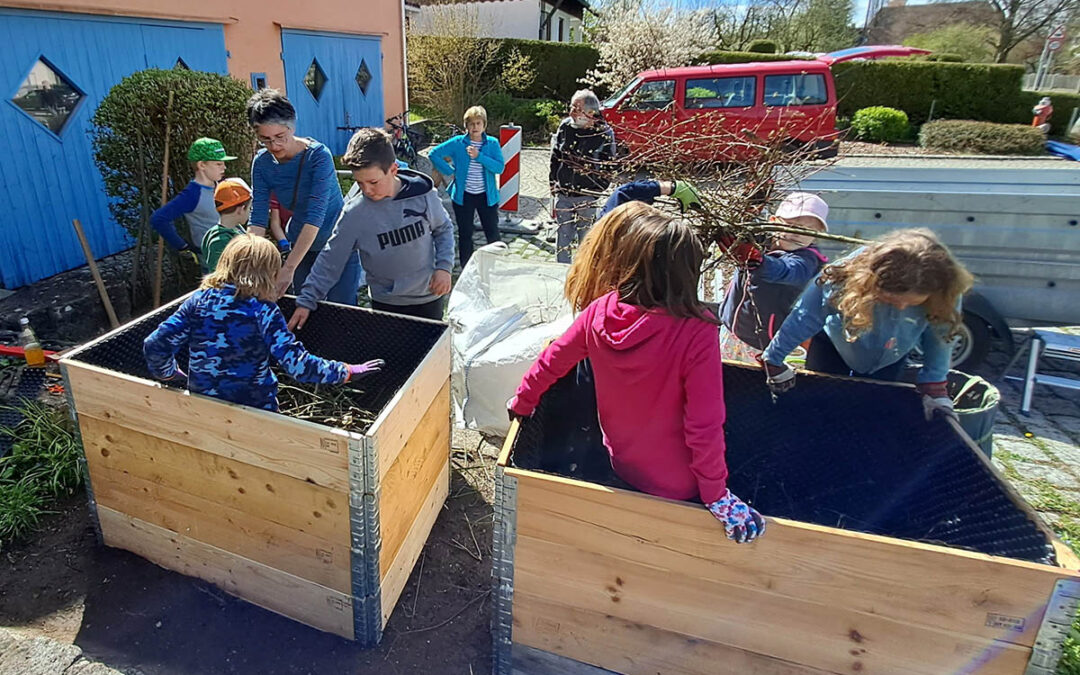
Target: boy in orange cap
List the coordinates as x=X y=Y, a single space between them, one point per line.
x=232 y=198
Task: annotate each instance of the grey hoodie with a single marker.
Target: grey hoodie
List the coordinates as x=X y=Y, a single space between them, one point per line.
x=402 y=241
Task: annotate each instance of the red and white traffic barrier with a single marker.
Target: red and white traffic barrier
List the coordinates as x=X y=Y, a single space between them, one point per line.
x=510 y=179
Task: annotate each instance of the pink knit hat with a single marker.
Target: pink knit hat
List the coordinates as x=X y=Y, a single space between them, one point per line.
x=799 y=204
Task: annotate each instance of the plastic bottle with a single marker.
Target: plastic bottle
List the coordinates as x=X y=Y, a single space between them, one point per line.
x=35 y=355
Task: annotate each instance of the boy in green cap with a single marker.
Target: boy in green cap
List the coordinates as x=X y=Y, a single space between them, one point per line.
x=196 y=201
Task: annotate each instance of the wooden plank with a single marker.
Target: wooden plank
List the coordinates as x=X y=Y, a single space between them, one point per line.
x=821 y=636
x=281 y=499
x=269 y=588
x=396 y=423
x=323 y=562
x=921 y=584
x=278 y=443
x=627 y=647
x=404 y=488
x=533 y=661
x=393 y=582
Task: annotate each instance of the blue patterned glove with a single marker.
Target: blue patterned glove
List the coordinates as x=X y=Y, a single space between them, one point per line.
x=741 y=522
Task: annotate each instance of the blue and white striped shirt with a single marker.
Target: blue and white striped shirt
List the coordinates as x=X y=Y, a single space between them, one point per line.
x=475 y=183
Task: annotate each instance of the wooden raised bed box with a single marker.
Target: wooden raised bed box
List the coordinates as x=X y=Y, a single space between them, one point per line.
x=892 y=547
x=312 y=522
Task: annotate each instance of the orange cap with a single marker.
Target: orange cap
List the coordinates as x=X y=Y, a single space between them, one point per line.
x=231 y=192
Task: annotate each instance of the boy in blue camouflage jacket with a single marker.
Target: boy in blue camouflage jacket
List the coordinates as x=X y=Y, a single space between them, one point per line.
x=232 y=328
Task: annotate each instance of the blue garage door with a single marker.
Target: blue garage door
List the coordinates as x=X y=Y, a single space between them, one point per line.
x=335 y=82
x=54 y=70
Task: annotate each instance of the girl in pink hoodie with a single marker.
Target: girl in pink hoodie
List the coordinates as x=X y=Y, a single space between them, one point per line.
x=655 y=355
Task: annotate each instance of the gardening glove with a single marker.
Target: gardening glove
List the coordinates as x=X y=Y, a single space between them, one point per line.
x=742 y=253
x=687 y=196
x=189 y=253
x=936 y=400
x=741 y=522
x=779 y=378
x=284 y=246
x=356 y=371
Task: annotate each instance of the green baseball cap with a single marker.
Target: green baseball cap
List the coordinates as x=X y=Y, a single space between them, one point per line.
x=207 y=150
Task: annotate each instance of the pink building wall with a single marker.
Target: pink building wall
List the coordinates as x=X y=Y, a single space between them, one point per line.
x=253 y=29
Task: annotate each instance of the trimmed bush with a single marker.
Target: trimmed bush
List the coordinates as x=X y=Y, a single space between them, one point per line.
x=943 y=57
x=880 y=124
x=558 y=66
x=128 y=135
x=717 y=57
x=984 y=138
x=763 y=47
x=956 y=90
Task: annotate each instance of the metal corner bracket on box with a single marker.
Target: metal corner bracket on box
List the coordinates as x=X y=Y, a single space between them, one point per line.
x=1057 y=622
x=365 y=540
x=502 y=571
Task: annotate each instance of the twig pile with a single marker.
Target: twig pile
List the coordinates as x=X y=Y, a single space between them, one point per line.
x=331 y=405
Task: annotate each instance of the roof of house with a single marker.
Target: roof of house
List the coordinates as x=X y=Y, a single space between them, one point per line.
x=893 y=25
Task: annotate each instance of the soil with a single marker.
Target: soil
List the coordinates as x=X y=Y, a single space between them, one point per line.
x=139 y=618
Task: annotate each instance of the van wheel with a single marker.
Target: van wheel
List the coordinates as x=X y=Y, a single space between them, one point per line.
x=969 y=347
x=972 y=344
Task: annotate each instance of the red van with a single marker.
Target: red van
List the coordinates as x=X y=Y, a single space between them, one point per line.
x=723 y=111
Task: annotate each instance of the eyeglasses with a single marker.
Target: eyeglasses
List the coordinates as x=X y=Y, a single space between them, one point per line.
x=279 y=139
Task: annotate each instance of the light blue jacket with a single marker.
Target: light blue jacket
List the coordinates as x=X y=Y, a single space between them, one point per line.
x=894 y=334
x=456 y=150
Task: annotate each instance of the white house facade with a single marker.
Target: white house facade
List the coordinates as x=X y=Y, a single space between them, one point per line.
x=551 y=20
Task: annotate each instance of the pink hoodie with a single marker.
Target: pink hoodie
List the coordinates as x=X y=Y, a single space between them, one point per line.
x=659 y=391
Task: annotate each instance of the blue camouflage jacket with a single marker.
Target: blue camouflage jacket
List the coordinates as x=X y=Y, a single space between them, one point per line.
x=230 y=343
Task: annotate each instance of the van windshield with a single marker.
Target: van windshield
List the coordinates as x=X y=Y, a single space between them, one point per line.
x=614 y=98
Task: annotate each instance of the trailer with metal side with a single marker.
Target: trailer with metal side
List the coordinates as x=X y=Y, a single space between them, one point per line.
x=1016 y=229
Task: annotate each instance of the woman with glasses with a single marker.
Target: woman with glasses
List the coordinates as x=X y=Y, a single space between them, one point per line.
x=300 y=173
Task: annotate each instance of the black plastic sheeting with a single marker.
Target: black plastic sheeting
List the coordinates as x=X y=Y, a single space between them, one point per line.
x=348 y=334
x=833 y=451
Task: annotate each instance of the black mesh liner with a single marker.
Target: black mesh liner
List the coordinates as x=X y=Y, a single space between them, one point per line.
x=27 y=384
x=349 y=334
x=832 y=451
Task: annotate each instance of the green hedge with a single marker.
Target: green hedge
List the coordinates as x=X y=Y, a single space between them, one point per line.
x=717 y=57
x=764 y=47
x=982 y=138
x=961 y=90
x=1063 y=107
x=559 y=66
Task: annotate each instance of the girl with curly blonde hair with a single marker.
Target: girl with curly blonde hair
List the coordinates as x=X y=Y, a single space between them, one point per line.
x=866 y=312
x=655 y=359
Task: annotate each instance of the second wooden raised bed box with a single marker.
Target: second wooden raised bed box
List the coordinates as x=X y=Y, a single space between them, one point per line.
x=893 y=546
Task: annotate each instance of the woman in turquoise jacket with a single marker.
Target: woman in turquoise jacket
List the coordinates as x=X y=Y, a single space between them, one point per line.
x=474 y=159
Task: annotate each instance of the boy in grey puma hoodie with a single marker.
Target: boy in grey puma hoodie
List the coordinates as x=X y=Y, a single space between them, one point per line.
x=405 y=237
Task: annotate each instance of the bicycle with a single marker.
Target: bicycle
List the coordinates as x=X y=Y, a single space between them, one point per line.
x=407 y=142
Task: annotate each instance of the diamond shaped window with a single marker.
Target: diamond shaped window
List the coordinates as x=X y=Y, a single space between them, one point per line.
x=180 y=65
x=315 y=79
x=48 y=96
x=363 y=76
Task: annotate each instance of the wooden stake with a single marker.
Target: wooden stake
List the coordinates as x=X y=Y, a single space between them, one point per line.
x=164 y=198
x=94 y=273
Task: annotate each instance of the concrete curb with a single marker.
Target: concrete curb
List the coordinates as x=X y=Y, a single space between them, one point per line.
x=24 y=655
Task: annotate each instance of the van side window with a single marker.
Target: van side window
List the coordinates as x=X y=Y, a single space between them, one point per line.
x=655 y=95
x=796 y=89
x=721 y=92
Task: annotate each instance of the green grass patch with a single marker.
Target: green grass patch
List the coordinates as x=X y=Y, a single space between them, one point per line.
x=1047 y=498
x=45 y=463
